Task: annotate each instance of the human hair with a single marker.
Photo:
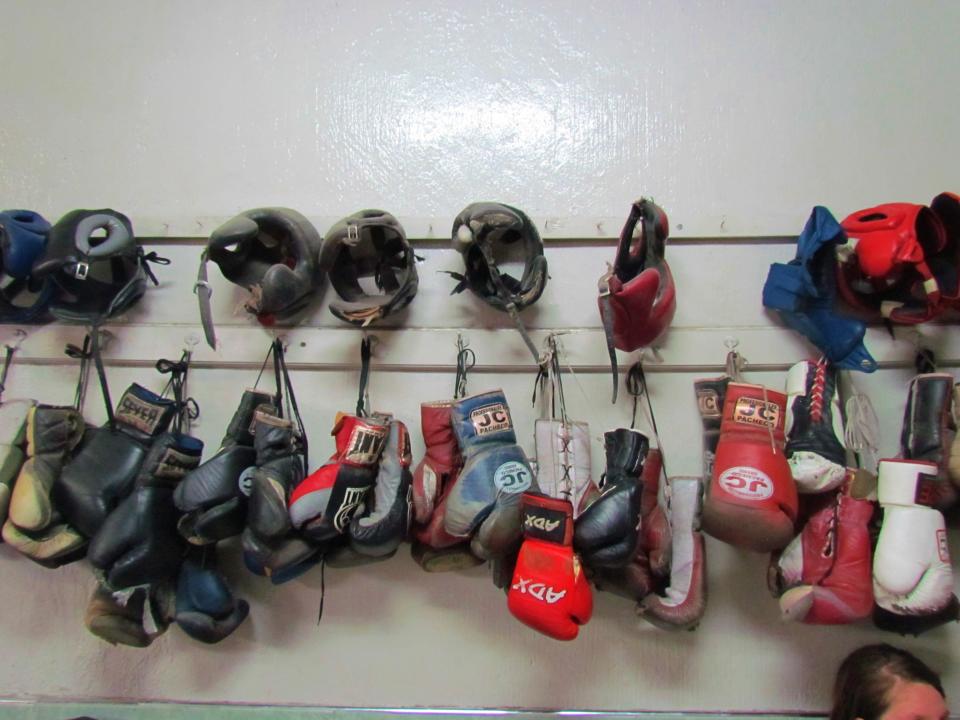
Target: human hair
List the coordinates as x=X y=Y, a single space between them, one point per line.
x=867 y=675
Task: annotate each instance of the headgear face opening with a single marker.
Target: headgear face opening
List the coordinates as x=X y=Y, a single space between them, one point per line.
x=482 y=232
x=371 y=265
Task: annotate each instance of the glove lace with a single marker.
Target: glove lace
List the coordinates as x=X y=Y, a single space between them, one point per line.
x=863 y=427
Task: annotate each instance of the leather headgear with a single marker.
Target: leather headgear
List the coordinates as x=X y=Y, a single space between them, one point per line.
x=369 y=244
x=272 y=252
x=479 y=232
x=804 y=293
x=901 y=263
x=637 y=296
x=95 y=278
x=23 y=239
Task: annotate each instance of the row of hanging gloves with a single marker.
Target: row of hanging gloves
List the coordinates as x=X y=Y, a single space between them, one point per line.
x=474 y=497
x=69 y=490
x=134 y=498
x=846 y=542
x=129 y=496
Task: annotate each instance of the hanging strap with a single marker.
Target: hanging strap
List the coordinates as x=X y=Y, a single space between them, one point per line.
x=151 y=257
x=925 y=361
x=95 y=334
x=363 y=399
x=7 y=361
x=204 y=292
x=637 y=387
x=506 y=297
x=549 y=379
x=187 y=408
x=84 y=355
x=606 y=319
x=293 y=410
x=466 y=359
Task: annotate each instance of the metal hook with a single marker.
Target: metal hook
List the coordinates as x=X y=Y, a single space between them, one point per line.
x=105 y=338
x=20 y=334
x=372 y=341
x=190 y=342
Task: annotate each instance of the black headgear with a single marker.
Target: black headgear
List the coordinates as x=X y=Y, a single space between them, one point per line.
x=369 y=243
x=94 y=277
x=272 y=252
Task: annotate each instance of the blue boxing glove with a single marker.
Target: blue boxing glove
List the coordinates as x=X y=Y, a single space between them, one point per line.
x=484 y=503
x=205 y=608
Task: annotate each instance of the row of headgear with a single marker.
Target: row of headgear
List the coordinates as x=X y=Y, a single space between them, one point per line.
x=82 y=275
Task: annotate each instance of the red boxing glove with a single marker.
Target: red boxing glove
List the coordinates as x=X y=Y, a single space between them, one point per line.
x=752 y=498
x=326 y=501
x=433 y=547
x=824 y=574
x=549 y=592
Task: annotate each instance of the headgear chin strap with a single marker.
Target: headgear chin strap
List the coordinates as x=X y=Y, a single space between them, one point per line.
x=637 y=298
x=901 y=263
x=95 y=277
x=23 y=239
x=369 y=245
x=272 y=252
x=479 y=232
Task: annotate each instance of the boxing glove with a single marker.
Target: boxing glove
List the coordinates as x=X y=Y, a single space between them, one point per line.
x=377 y=532
x=710 y=394
x=912 y=576
x=138 y=543
x=605 y=534
x=929 y=431
x=270 y=547
x=680 y=605
x=205 y=609
x=434 y=549
x=484 y=503
x=327 y=500
x=563 y=462
x=634 y=580
x=107 y=461
x=814 y=427
x=953 y=465
x=34 y=527
x=13 y=440
x=213 y=498
x=135 y=619
x=549 y=592
x=752 y=499
x=824 y=574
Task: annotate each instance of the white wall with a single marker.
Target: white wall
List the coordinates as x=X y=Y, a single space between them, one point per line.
x=737 y=117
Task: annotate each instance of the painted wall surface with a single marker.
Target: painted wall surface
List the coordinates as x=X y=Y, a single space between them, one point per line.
x=737 y=116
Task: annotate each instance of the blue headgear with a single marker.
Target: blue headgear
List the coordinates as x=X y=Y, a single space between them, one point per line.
x=23 y=238
x=804 y=293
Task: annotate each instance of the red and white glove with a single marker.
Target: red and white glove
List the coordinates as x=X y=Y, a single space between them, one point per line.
x=549 y=592
x=326 y=501
x=682 y=603
x=752 y=498
x=912 y=576
x=824 y=574
x=433 y=548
